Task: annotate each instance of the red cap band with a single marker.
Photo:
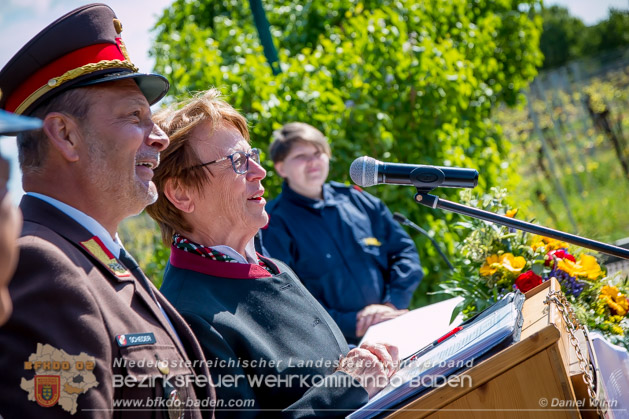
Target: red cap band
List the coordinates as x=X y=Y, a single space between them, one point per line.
x=75 y=59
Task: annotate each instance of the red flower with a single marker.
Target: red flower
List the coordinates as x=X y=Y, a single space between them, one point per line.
x=527 y=281
x=559 y=254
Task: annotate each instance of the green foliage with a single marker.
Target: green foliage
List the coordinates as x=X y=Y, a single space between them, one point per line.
x=140 y=234
x=581 y=152
x=562 y=36
x=411 y=81
x=609 y=34
x=565 y=37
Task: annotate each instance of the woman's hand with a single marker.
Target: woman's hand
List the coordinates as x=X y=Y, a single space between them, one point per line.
x=374 y=314
x=372 y=365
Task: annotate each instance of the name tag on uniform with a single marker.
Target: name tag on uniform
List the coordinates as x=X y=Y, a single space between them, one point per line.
x=134 y=339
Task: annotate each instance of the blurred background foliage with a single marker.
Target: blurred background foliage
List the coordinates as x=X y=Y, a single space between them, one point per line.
x=565 y=37
x=440 y=82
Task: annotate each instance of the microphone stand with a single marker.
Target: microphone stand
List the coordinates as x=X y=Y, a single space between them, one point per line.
x=424 y=198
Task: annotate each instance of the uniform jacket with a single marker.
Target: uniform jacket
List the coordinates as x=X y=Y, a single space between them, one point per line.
x=254 y=325
x=347 y=249
x=69 y=306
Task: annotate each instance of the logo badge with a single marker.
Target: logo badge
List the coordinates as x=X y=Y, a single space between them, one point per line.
x=47 y=390
x=52 y=367
x=372 y=241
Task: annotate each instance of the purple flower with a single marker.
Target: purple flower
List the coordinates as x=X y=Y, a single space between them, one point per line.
x=570 y=284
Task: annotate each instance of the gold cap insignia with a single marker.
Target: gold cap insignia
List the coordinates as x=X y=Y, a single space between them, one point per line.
x=118 y=26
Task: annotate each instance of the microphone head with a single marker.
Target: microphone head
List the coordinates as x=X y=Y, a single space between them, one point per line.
x=364 y=171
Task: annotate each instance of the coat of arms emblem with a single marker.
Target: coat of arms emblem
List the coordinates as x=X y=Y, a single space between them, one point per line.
x=47 y=389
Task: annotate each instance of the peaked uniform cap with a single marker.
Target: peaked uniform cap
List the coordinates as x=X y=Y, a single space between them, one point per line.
x=83 y=47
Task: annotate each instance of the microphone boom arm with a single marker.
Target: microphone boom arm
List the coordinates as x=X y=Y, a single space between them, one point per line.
x=432 y=201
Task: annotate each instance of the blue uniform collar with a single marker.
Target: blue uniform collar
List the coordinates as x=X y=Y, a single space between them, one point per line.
x=328 y=197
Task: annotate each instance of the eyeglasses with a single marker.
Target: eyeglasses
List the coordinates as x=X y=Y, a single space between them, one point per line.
x=239 y=159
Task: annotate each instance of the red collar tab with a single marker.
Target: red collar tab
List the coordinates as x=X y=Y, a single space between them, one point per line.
x=98 y=250
x=193 y=262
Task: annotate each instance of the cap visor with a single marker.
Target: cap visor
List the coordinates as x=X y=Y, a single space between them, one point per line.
x=153 y=86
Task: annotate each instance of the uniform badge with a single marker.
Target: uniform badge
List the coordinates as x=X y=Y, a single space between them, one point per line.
x=135 y=339
x=122 y=341
x=47 y=390
x=175 y=409
x=96 y=248
x=52 y=367
x=372 y=241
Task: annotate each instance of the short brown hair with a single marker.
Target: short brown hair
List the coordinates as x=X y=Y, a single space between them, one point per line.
x=33 y=145
x=295 y=132
x=177 y=161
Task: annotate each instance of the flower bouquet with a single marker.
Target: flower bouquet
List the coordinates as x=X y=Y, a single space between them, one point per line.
x=493 y=260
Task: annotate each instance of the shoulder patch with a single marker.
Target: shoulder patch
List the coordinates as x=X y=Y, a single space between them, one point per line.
x=59 y=376
x=96 y=248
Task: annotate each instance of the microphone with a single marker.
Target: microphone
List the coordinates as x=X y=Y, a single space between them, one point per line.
x=406 y=222
x=367 y=171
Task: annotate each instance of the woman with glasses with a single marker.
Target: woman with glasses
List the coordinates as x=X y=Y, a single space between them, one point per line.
x=272 y=348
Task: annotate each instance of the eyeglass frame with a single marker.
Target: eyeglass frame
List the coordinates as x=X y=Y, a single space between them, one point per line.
x=252 y=154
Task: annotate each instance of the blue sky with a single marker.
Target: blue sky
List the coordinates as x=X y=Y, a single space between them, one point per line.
x=20 y=20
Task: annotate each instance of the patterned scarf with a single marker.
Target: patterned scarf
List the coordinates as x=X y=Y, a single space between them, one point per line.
x=187 y=245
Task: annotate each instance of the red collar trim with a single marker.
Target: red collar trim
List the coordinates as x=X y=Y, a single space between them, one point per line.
x=193 y=262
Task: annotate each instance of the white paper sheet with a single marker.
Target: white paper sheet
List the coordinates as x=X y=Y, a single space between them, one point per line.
x=417 y=328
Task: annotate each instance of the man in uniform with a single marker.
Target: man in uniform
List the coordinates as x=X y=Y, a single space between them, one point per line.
x=342 y=242
x=89 y=332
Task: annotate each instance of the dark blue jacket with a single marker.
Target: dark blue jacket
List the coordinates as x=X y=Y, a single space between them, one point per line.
x=347 y=249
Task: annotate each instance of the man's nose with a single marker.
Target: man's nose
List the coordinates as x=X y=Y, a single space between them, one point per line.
x=158 y=138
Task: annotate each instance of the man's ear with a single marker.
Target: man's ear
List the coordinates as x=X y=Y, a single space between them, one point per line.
x=64 y=133
x=279 y=168
x=178 y=196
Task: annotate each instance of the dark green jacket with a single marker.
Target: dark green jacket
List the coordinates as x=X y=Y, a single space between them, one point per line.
x=272 y=347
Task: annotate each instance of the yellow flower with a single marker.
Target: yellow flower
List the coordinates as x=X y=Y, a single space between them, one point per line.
x=608 y=291
x=617 y=330
x=585 y=267
x=547 y=243
x=511 y=213
x=617 y=302
x=513 y=263
x=505 y=261
x=490 y=266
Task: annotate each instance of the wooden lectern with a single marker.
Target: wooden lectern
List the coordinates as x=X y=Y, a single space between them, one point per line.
x=531 y=378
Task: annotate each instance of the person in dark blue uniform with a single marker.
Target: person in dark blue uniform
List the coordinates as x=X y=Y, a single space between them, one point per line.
x=342 y=242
